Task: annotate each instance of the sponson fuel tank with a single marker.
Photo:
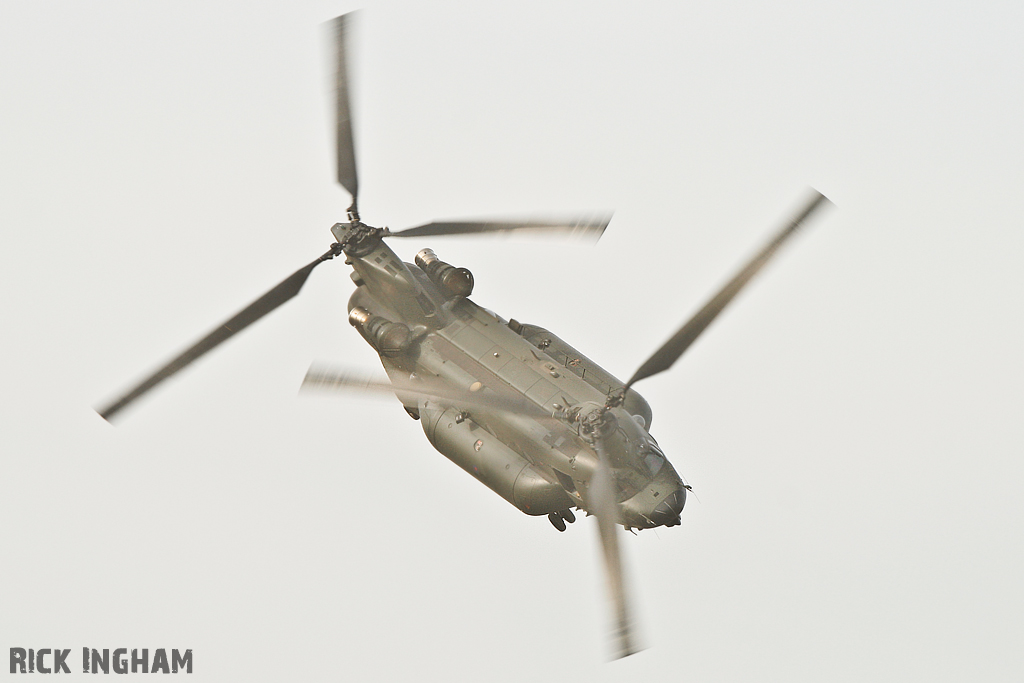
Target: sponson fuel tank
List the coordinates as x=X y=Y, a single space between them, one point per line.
x=497 y=466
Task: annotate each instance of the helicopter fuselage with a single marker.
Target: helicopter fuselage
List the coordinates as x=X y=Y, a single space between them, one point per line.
x=426 y=329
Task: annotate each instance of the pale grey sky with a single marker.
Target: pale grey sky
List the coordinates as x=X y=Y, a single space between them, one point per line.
x=851 y=425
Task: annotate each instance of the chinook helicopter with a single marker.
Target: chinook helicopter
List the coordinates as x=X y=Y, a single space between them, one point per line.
x=528 y=415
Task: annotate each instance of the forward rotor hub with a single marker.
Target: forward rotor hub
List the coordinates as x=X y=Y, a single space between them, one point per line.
x=597 y=424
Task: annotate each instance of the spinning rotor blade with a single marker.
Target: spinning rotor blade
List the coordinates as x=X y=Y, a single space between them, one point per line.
x=284 y=291
x=602 y=488
x=321 y=378
x=585 y=227
x=346 y=153
x=669 y=353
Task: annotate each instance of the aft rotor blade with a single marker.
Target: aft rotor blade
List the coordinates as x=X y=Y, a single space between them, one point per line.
x=284 y=291
x=602 y=495
x=475 y=396
x=669 y=353
x=589 y=227
x=346 y=153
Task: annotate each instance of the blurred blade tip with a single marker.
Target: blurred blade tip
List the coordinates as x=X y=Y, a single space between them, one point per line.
x=623 y=652
x=820 y=197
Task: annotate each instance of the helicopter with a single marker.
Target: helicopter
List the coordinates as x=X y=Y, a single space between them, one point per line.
x=517 y=407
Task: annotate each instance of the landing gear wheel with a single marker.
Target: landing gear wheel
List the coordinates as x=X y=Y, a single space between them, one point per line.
x=557 y=521
x=568 y=516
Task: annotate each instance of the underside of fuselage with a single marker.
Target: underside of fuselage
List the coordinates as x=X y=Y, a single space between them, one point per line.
x=535 y=459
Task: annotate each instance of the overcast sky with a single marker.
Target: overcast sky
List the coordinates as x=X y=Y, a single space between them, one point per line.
x=851 y=425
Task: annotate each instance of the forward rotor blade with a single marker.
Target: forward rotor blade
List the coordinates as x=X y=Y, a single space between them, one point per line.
x=478 y=397
x=346 y=153
x=585 y=227
x=669 y=353
x=602 y=489
x=284 y=291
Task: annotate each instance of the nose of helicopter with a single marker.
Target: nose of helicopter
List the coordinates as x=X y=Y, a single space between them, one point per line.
x=668 y=511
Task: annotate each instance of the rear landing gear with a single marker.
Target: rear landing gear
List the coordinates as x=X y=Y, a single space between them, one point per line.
x=557 y=521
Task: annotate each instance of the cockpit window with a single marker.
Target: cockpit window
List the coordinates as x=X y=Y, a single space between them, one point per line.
x=653 y=457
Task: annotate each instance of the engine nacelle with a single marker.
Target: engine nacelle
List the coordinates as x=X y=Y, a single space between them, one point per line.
x=454 y=282
x=390 y=339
